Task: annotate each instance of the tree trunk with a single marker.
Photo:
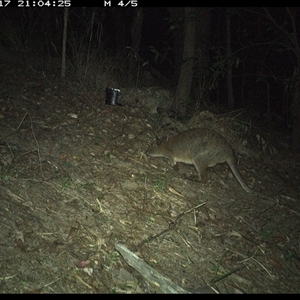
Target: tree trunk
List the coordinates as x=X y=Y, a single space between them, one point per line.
x=202 y=45
x=176 y=15
x=229 y=64
x=186 y=73
x=64 y=43
x=120 y=29
x=136 y=35
x=296 y=115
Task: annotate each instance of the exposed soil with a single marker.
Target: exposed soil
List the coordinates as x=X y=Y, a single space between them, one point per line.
x=75 y=180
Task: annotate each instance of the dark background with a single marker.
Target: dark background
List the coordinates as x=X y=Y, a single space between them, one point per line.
x=263 y=78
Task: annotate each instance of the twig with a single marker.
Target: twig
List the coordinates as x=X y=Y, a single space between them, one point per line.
x=226 y=275
x=14 y=130
x=171 y=227
x=38 y=146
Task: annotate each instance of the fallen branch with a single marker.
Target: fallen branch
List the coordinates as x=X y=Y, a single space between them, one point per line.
x=165 y=284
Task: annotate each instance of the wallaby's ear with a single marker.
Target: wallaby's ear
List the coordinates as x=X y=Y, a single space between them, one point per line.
x=165 y=138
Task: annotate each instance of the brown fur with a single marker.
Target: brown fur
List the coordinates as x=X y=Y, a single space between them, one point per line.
x=202 y=148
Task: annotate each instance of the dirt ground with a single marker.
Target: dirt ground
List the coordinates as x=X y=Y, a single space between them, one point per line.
x=75 y=181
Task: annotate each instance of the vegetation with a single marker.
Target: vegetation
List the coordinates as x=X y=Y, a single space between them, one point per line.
x=75 y=180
